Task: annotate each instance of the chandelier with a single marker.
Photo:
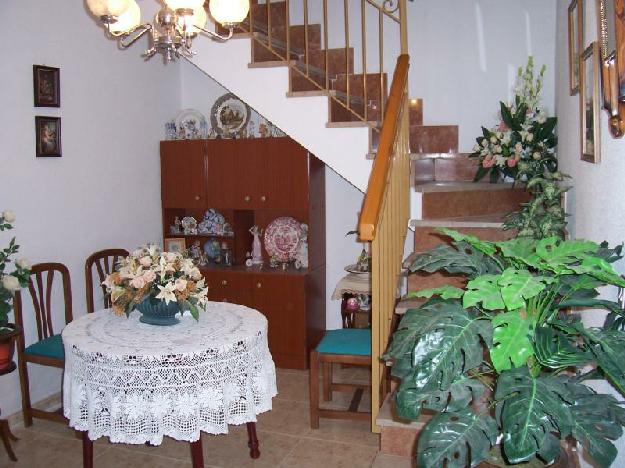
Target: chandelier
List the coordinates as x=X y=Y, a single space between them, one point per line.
x=174 y=26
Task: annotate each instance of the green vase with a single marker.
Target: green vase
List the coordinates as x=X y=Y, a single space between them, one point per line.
x=157 y=312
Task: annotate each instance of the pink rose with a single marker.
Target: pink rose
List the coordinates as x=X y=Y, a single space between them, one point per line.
x=137 y=282
x=145 y=261
x=149 y=276
x=488 y=162
x=181 y=284
x=503 y=127
x=511 y=162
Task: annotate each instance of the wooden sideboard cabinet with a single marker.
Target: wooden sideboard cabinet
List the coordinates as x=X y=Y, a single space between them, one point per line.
x=252 y=182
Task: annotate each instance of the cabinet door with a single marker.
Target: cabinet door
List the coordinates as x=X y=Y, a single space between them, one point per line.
x=228 y=286
x=221 y=173
x=250 y=171
x=281 y=299
x=183 y=174
x=285 y=185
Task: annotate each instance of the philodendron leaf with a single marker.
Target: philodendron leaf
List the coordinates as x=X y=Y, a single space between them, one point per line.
x=445 y=292
x=519 y=285
x=597 y=419
x=608 y=347
x=460 y=258
x=600 y=269
x=531 y=408
x=557 y=253
x=460 y=393
x=511 y=344
x=554 y=350
x=456 y=440
x=521 y=249
x=484 y=289
x=483 y=246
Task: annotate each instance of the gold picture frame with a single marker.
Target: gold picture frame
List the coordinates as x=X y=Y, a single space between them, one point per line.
x=576 y=41
x=589 y=97
x=175 y=244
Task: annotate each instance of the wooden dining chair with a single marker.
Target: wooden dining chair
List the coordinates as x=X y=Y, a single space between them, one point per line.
x=48 y=349
x=105 y=262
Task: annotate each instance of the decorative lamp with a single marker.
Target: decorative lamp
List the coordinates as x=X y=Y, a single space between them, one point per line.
x=193 y=24
x=229 y=12
x=183 y=4
x=128 y=20
x=107 y=8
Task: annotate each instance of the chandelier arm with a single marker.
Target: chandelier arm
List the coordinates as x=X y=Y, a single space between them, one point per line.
x=215 y=36
x=127 y=39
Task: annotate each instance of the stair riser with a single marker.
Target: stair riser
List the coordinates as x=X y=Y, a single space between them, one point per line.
x=356 y=86
x=398 y=441
x=457 y=169
x=416 y=112
x=438 y=205
x=316 y=59
x=434 y=139
x=297 y=43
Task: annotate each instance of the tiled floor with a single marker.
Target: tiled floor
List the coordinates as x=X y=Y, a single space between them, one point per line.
x=286 y=440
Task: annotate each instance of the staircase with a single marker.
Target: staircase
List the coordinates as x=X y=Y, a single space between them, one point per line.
x=342 y=110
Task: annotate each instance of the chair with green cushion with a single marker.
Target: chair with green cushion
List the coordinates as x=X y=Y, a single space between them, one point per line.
x=350 y=346
x=48 y=349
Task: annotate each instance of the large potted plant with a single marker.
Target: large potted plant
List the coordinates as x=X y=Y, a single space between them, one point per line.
x=10 y=282
x=503 y=360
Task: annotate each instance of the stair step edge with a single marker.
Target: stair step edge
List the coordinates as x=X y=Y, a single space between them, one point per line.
x=269 y=64
x=463 y=186
x=386 y=418
x=426 y=156
x=321 y=92
x=351 y=124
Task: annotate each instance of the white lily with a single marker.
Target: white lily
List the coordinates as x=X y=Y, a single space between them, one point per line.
x=167 y=292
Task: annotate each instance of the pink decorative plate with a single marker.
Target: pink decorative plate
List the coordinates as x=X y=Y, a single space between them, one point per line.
x=282 y=238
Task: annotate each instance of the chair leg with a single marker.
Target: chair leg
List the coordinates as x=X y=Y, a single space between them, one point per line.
x=197 y=453
x=252 y=440
x=87 y=450
x=314 y=390
x=7 y=436
x=327 y=381
x=24 y=383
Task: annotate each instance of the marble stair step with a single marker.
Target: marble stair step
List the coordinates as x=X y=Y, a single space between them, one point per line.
x=316 y=68
x=376 y=92
x=433 y=138
x=398 y=437
x=442 y=167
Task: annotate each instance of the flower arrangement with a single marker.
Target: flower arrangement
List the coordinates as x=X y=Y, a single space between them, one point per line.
x=523 y=145
x=149 y=273
x=15 y=280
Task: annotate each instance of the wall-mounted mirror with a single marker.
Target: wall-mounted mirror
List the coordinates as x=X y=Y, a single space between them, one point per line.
x=611 y=20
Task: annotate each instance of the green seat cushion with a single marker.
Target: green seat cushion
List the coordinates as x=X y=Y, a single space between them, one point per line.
x=354 y=341
x=50 y=347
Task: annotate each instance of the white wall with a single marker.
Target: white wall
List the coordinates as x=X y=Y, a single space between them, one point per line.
x=343 y=200
x=105 y=189
x=596 y=200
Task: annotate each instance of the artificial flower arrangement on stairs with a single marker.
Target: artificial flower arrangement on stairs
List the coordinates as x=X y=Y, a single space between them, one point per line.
x=9 y=284
x=158 y=284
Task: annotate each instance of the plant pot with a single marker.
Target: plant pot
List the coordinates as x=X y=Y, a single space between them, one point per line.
x=157 y=312
x=7 y=346
x=565 y=460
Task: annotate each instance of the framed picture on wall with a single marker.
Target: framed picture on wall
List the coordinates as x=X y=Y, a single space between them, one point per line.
x=47 y=136
x=589 y=104
x=576 y=41
x=175 y=244
x=47 y=86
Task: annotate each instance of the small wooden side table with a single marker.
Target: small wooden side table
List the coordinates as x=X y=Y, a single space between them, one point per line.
x=5 y=430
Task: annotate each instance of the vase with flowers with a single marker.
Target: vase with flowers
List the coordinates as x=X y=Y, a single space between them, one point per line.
x=158 y=284
x=10 y=282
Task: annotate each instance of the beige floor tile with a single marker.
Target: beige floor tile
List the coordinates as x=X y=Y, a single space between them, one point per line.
x=286 y=417
x=392 y=461
x=119 y=457
x=312 y=453
x=351 y=432
x=293 y=386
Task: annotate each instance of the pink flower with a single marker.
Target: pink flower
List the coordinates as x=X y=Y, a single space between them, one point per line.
x=511 y=162
x=503 y=127
x=488 y=162
x=145 y=261
x=137 y=282
x=149 y=276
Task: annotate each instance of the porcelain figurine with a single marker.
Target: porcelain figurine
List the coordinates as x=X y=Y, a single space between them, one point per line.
x=195 y=252
x=257 y=253
x=301 y=258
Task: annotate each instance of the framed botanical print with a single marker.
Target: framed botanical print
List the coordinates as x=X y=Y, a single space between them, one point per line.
x=47 y=86
x=589 y=104
x=175 y=244
x=576 y=41
x=47 y=136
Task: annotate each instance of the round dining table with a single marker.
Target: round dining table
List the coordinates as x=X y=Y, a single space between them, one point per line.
x=136 y=383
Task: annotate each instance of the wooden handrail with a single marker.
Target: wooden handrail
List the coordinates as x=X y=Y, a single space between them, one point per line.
x=378 y=178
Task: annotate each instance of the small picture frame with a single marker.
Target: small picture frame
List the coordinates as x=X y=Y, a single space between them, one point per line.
x=47 y=136
x=589 y=104
x=576 y=38
x=175 y=244
x=47 y=86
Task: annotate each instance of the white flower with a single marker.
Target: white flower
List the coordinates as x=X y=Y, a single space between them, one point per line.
x=167 y=293
x=476 y=148
x=497 y=149
x=499 y=135
x=518 y=147
x=542 y=118
x=171 y=256
x=24 y=264
x=195 y=273
x=500 y=160
x=484 y=142
x=536 y=156
x=530 y=137
x=10 y=283
x=181 y=284
x=145 y=261
x=8 y=216
x=137 y=282
x=493 y=139
x=506 y=139
x=125 y=272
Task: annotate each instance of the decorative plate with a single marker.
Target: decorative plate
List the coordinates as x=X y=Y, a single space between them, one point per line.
x=189 y=224
x=229 y=115
x=282 y=238
x=191 y=125
x=354 y=269
x=212 y=249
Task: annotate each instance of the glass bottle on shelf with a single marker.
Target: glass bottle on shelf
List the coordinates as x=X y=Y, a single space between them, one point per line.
x=226 y=254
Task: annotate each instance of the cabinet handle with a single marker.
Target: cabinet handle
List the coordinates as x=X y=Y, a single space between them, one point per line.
x=224 y=282
x=225 y=299
x=259 y=285
x=197 y=197
x=263 y=199
x=247 y=198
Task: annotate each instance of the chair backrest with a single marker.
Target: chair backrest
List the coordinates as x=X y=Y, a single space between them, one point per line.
x=105 y=262
x=40 y=284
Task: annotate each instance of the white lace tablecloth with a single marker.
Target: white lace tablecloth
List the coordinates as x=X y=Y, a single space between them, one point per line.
x=136 y=383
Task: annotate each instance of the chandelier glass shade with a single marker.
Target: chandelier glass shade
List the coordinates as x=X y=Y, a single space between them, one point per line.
x=174 y=27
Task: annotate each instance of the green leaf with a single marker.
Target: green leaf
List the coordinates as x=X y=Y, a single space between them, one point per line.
x=459 y=258
x=458 y=396
x=557 y=252
x=456 y=440
x=600 y=269
x=531 y=408
x=511 y=344
x=483 y=246
x=506 y=116
x=608 y=347
x=520 y=285
x=445 y=292
x=486 y=132
x=480 y=173
x=521 y=249
x=554 y=350
x=484 y=289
